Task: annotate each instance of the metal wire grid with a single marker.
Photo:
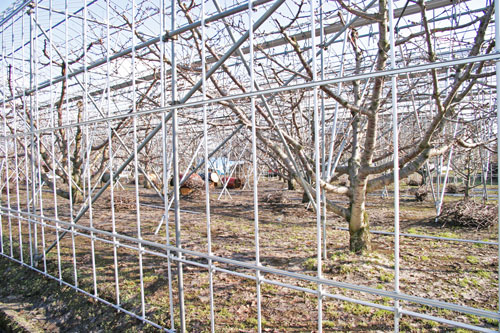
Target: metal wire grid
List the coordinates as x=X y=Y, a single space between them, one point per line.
x=39 y=80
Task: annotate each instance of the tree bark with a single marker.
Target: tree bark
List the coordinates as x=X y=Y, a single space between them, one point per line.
x=359 y=230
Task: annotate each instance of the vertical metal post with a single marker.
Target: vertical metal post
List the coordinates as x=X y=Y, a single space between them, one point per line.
x=38 y=149
x=395 y=139
x=26 y=139
x=6 y=147
x=16 y=150
x=317 y=167
x=205 y=157
x=175 y=147
x=36 y=157
x=438 y=168
x=323 y=127
x=497 y=65
x=34 y=241
x=86 y=116
x=484 y=162
x=136 y=163
x=53 y=148
x=166 y=163
x=330 y=170
x=110 y=162
x=68 y=143
x=254 y=165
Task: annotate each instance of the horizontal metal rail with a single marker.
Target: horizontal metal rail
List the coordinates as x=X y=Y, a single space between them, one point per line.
x=462 y=240
x=270 y=91
x=263 y=269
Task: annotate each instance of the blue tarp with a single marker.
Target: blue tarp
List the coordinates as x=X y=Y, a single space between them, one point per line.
x=222 y=165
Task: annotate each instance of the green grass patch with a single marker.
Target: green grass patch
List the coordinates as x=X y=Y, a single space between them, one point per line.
x=447 y=234
x=483 y=274
x=386 y=277
x=491 y=321
x=472 y=260
x=356 y=309
x=311 y=264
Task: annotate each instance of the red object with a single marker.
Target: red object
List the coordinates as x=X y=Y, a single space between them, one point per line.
x=232 y=183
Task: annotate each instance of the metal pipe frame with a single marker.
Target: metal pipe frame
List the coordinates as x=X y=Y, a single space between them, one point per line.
x=175 y=98
x=272 y=91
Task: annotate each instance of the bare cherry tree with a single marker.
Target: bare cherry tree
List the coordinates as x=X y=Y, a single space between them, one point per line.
x=365 y=157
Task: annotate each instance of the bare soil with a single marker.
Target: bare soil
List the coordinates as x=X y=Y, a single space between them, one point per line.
x=449 y=271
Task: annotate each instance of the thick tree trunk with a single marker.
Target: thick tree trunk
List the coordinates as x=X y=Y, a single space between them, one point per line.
x=305 y=198
x=77 y=195
x=359 y=230
x=422 y=173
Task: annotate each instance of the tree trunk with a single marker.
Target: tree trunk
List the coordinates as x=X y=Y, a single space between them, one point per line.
x=359 y=229
x=305 y=198
x=467 y=185
x=146 y=184
x=292 y=186
x=77 y=195
x=467 y=189
x=423 y=173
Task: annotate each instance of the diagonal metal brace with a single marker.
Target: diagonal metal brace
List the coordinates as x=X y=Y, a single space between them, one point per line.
x=152 y=134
